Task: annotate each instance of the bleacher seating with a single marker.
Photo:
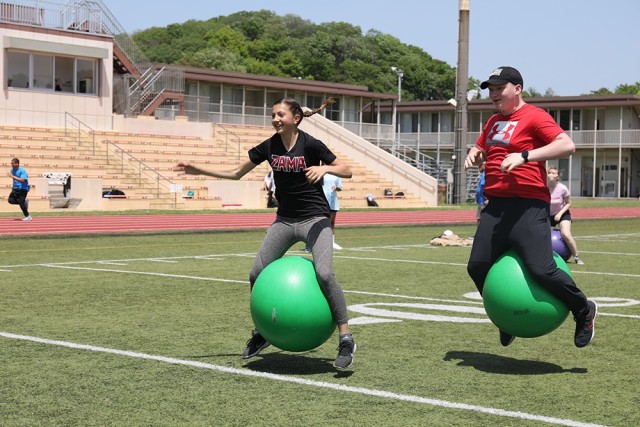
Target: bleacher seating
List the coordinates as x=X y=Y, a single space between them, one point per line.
x=45 y=150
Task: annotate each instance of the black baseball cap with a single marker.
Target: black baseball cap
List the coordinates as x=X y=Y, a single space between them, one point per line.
x=502 y=75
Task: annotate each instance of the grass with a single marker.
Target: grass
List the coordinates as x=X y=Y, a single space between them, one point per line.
x=164 y=317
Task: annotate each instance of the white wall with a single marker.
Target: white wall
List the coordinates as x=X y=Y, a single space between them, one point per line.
x=149 y=125
x=26 y=107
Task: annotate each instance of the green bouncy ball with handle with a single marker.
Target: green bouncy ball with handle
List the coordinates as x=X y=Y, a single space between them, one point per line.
x=516 y=304
x=288 y=307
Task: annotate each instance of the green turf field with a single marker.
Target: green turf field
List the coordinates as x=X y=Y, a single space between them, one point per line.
x=146 y=330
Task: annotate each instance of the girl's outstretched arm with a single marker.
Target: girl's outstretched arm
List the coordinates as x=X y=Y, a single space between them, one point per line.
x=238 y=172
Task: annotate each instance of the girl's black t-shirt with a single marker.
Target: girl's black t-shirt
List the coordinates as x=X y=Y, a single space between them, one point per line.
x=296 y=196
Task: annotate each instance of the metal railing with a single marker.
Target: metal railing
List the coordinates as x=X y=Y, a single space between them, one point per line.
x=145 y=173
x=230 y=139
x=74 y=127
x=128 y=163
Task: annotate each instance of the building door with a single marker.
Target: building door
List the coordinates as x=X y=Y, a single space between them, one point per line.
x=586 y=183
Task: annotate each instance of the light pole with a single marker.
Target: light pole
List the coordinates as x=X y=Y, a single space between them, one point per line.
x=400 y=75
x=394 y=119
x=462 y=84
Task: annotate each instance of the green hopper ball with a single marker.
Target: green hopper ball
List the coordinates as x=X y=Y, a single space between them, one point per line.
x=288 y=307
x=516 y=304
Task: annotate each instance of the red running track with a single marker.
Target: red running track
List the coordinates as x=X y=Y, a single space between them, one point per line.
x=52 y=225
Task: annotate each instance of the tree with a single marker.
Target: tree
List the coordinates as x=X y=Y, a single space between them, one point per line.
x=226 y=38
x=264 y=43
x=531 y=93
x=628 y=89
x=214 y=59
x=601 y=91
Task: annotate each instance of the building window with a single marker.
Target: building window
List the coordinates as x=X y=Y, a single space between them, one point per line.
x=435 y=122
x=64 y=74
x=254 y=102
x=42 y=72
x=563 y=169
x=86 y=76
x=232 y=99
x=576 y=119
x=332 y=111
x=18 y=69
x=565 y=117
x=446 y=121
x=314 y=101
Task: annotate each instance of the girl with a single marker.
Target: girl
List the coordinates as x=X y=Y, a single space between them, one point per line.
x=559 y=210
x=299 y=162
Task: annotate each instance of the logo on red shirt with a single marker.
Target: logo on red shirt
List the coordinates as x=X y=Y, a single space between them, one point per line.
x=501 y=133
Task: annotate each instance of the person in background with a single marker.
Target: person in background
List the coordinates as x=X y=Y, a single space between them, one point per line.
x=270 y=186
x=20 y=188
x=559 y=211
x=516 y=142
x=299 y=161
x=331 y=185
x=481 y=201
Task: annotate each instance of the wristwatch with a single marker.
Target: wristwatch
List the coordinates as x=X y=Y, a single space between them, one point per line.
x=525 y=156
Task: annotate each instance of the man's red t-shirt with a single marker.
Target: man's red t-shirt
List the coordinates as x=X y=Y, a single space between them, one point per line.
x=528 y=128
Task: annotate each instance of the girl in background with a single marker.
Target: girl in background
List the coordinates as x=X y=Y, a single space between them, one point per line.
x=559 y=210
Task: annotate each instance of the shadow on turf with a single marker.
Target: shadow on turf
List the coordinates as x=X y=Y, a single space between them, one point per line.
x=289 y=364
x=507 y=365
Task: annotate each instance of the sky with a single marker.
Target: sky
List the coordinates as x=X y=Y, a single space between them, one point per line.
x=572 y=47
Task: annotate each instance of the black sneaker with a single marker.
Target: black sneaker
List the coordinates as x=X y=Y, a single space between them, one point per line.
x=586 y=326
x=255 y=345
x=346 y=349
x=506 y=339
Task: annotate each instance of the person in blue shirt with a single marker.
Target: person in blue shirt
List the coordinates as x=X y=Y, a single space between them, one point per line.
x=20 y=188
x=481 y=200
x=331 y=185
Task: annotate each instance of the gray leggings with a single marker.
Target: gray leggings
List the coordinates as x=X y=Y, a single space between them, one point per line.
x=283 y=234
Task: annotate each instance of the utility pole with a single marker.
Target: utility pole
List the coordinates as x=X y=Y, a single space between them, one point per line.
x=462 y=85
x=394 y=120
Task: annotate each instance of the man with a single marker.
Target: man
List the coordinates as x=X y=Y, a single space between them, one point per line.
x=20 y=188
x=515 y=143
x=481 y=201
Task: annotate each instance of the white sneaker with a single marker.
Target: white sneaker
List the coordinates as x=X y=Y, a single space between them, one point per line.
x=27 y=218
x=336 y=246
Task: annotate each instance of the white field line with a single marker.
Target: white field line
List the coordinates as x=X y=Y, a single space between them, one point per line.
x=146 y=273
x=215 y=279
x=408 y=261
x=611 y=253
x=601 y=273
x=606 y=236
x=305 y=382
x=170 y=259
x=129 y=260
